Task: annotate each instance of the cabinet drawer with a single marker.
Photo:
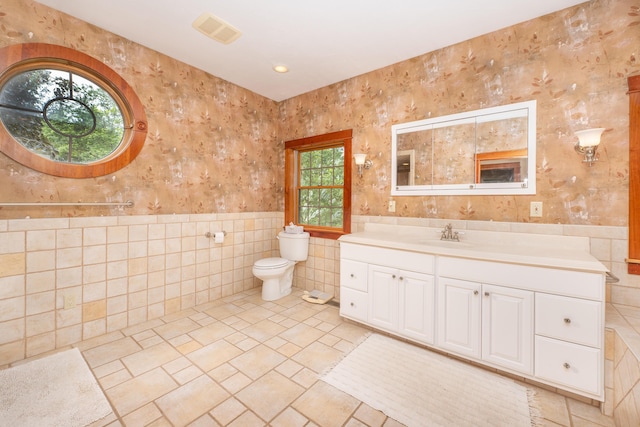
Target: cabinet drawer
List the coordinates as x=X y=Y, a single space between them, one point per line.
x=353 y=274
x=569 y=319
x=353 y=304
x=569 y=364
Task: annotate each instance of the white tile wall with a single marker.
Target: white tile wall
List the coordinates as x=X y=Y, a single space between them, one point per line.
x=118 y=272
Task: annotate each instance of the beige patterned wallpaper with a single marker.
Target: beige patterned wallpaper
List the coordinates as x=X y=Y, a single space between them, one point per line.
x=574 y=63
x=211 y=145
x=215 y=147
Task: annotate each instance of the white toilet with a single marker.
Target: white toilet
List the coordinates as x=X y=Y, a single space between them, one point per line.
x=277 y=273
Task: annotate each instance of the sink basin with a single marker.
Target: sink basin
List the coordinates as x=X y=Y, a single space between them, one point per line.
x=444 y=243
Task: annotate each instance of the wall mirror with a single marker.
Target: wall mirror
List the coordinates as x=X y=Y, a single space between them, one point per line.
x=487 y=151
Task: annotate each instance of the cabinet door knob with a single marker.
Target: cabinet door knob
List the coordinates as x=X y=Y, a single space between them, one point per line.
x=475 y=292
x=393 y=276
x=353 y=305
x=566 y=365
x=401 y=278
x=353 y=275
x=486 y=294
x=567 y=320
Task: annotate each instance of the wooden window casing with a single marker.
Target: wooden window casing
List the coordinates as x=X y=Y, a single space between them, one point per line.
x=292 y=150
x=633 y=261
x=17 y=58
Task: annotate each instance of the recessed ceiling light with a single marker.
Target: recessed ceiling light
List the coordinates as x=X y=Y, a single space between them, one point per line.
x=280 y=68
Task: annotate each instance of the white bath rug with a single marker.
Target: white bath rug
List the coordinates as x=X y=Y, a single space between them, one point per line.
x=55 y=391
x=418 y=387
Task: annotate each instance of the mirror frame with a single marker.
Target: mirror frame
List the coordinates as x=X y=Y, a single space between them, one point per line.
x=527 y=186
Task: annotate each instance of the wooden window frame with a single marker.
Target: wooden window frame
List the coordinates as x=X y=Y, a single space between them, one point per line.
x=23 y=57
x=633 y=261
x=292 y=148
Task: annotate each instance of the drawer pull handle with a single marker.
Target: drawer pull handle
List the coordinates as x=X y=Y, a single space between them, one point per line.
x=475 y=292
x=567 y=320
x=566 y=365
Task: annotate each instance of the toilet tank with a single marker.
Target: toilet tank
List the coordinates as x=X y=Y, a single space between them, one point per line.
x=294 y=247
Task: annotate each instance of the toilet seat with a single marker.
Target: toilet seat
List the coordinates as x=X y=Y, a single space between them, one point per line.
x=270 y=263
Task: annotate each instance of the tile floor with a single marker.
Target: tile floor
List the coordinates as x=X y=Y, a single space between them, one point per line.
x=242 y=361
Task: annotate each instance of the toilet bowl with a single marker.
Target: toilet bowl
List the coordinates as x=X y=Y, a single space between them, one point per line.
x=277 y=273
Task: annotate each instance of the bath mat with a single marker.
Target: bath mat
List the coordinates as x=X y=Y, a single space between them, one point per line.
x=57 y=390
x=418 y=387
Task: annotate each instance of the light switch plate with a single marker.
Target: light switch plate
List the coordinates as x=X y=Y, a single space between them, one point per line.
x=392 y=205
x=535 y=210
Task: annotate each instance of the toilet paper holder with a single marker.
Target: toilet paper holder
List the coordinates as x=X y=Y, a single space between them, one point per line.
x=210 y=235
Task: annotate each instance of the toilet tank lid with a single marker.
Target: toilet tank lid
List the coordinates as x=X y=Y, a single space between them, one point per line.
x=303 y=235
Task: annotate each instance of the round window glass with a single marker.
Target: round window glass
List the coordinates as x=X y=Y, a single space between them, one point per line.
x=61 y=115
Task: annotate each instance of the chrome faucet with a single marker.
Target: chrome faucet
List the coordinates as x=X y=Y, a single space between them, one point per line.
x=449 y=234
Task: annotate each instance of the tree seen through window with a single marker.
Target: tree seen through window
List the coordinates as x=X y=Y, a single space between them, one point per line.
x=61 y=115
x=321 y=192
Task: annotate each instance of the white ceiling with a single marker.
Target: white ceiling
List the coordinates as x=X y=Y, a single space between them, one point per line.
x=322 y=42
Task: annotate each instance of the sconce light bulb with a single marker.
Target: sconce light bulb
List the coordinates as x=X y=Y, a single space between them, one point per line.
x=589 y=137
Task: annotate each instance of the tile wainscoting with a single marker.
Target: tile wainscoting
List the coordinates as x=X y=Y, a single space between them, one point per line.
x=65 y=280
x=119 y=271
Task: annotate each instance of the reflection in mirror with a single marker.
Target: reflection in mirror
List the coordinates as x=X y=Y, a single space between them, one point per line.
x=420 y=143
x=406 y=167
x=501 y=150
x=454 y=146
x=501 y=166
x=488 y=151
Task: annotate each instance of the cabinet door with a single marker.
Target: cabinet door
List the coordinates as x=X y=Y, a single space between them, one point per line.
x=459 y=305
x=383 y=297
x=507 y=327
x=417 y=306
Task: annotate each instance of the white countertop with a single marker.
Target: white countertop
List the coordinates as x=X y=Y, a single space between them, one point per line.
x=553 y=251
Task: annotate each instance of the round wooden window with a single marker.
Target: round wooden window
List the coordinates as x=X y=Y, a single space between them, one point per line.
x=65 y=113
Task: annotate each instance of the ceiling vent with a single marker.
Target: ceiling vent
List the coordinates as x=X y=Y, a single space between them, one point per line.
x=214 y=27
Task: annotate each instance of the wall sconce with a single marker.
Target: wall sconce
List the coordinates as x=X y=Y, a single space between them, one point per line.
x=362 y=162
x=588 y=141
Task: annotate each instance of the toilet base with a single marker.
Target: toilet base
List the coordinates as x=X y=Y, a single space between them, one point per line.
x=276 y=283
x=271 y=291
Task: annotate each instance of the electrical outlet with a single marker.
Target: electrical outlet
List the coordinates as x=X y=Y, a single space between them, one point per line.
x=392 y=205
x=69 y=302
x=535 y=209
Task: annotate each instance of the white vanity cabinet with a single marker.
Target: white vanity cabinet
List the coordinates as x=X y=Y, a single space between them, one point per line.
x=377 y=288
x=486 y=322
x=535 y=310
x=538 y=321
